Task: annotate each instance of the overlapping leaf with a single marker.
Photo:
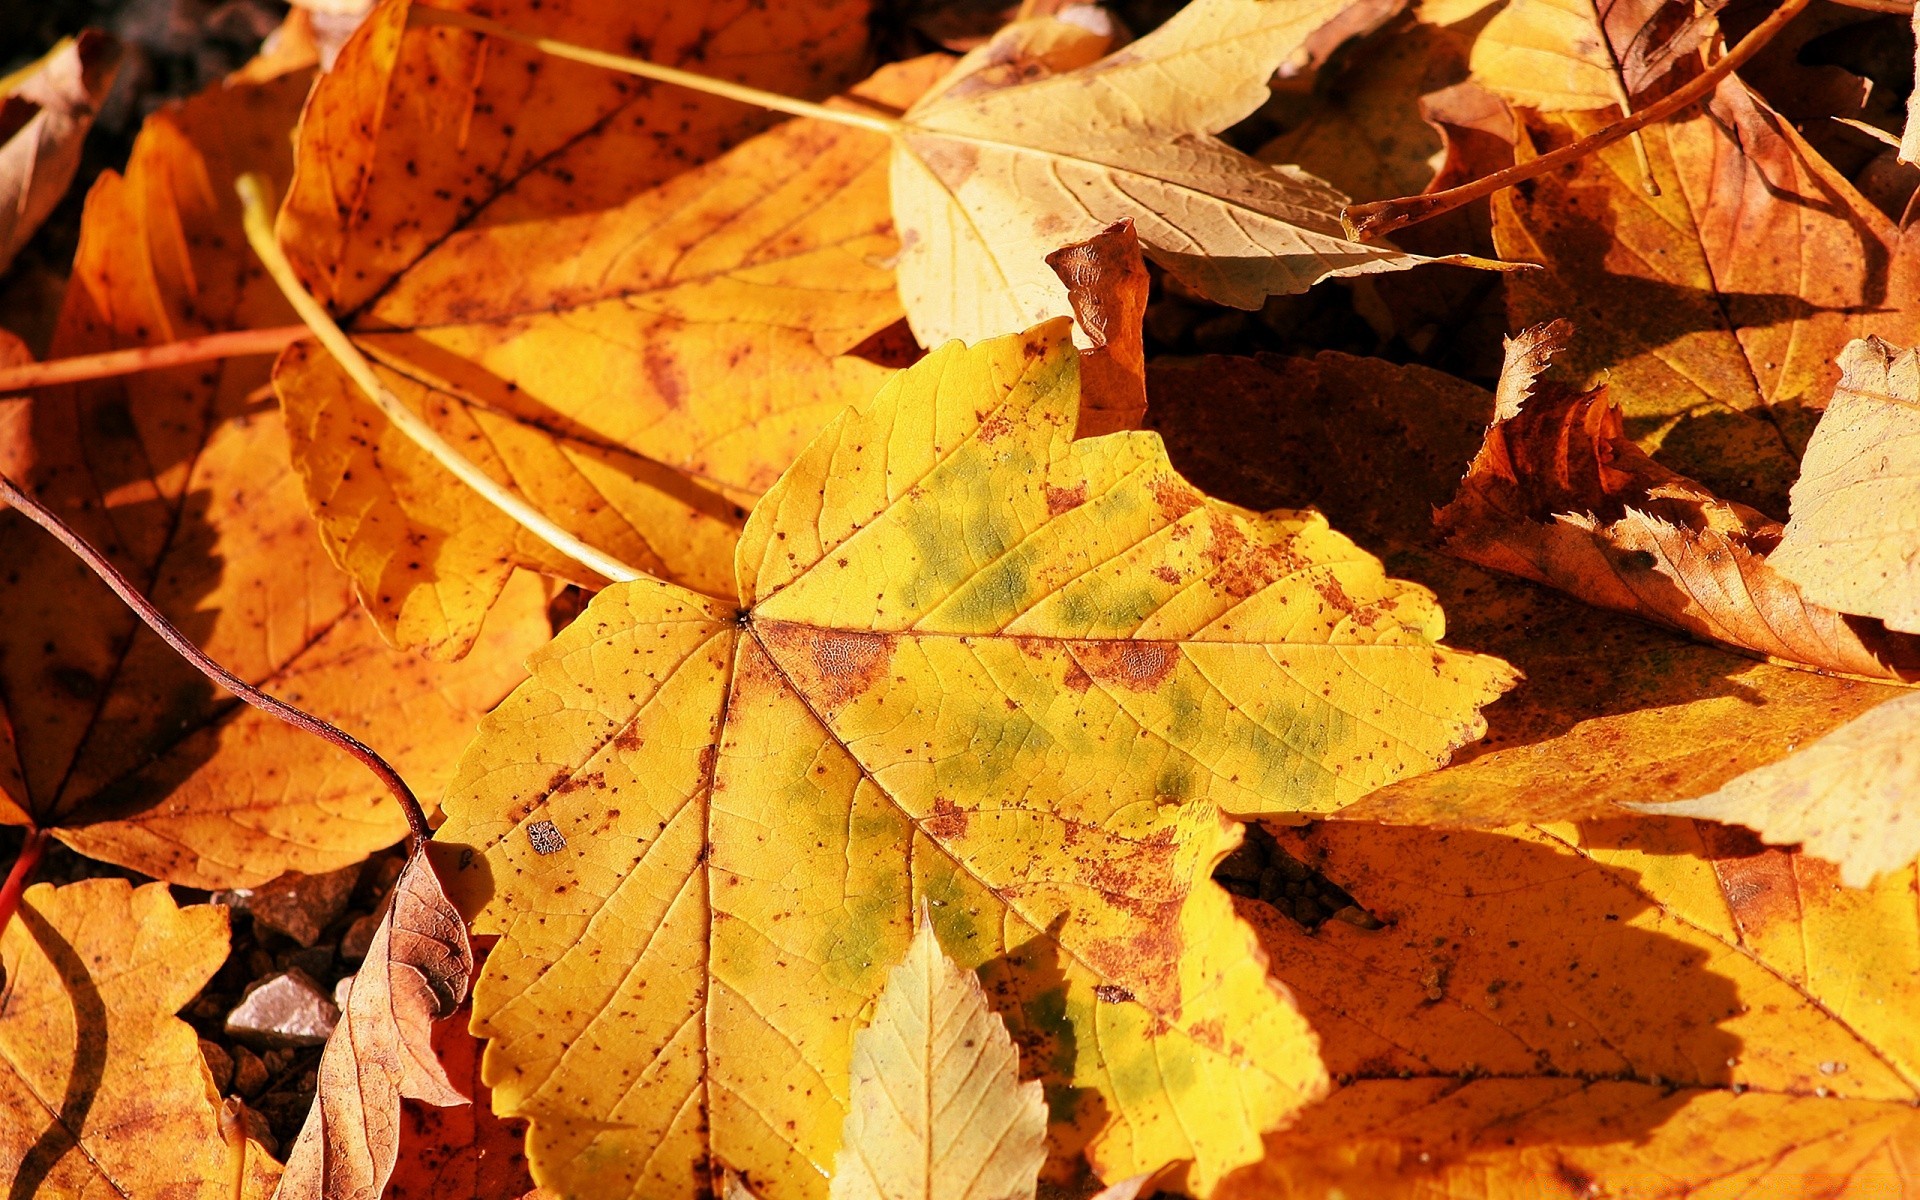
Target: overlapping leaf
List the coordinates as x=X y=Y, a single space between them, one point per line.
x=1634 y=1008
x=973 y=663
x=102 y=1089
x=45 y=112
x=179 y=476
x=529 y=249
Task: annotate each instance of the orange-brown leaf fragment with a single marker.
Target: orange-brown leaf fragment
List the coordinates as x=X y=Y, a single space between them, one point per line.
x=1559 y=494
x=464 y=1151
x=1107 y=285
x=416 y=973
x=103 y=1092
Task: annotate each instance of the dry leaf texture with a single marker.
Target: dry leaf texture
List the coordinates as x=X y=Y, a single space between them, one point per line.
x=464 y=1151
x=44 y=117
x=987 y=183
x=1852 y=797
x=1107 y=284
x=415 y=973
x=1560 y=495
x=534 y=254
x=1636 y=1008
x=973 y=662
x=1715 y=310
x=103 y=1092
x=935 y=1106
x=179 y=477
x=1570 y=55
x=1853 y=540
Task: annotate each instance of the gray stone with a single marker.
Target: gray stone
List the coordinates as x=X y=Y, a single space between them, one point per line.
x=288 y=1009
x=300 y=906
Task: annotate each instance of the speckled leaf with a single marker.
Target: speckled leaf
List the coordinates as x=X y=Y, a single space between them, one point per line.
x=975 y=664
x=103 y=1093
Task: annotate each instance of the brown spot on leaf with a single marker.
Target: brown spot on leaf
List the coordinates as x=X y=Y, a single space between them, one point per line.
x=948 y=822
x=831 y=666
x=1138 y=666
x=1060 y=500
x=665 y=373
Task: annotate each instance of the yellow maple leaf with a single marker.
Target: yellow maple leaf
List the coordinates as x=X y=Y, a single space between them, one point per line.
x=102 y=1089
x=973 y=662
x=935 y=1107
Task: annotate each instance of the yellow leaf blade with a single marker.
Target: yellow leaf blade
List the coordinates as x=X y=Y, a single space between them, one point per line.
x=936 y=1109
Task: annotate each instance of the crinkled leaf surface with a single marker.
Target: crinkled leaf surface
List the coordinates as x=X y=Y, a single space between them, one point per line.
x=179 y=477
x=935 y=1106
x=1632 y=1008
x=45 y=112
x=103 y=1092
x=415 y=973
x=987 y=183
x=1852 y=797
x=1715 y=310
x=973 y=663
x=558 y=266
x=1853 y=539
x=1612 y=709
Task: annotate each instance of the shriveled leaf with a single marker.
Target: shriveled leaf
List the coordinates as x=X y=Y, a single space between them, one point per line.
x=1853 y=539
x=1559 y=494
x=1637 y=1008
x=1851 y=797
x=103 y=1092
x=464 y=1151
x=972 y=662
x=1611 y=710
x=1107 y=285
x=638 y=344
x=416 y=973
x=179 y=476
x=45 y=113
x=1713 y=311
x=986 y=183
x=935 y=1106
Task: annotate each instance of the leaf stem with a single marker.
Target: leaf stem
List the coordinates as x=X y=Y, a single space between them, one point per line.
x=44 y=517
x=23 y=865
x=421 y=15
x=79 y=369
x=1366 y=222
x=259 y=227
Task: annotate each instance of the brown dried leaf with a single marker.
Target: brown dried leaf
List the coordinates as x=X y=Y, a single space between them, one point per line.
x=1559 y=494
x=1107 y=285
x=416 y=973
x=45 y=112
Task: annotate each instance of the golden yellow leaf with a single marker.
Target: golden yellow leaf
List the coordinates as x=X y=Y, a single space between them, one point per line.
x=1715 y=310
x=987 y=183
x=972 y=662
x=103 y=1092
x=935 y=1106
x=1853 y=539
x=538 y=262
x=1851 y=797
x=180 y=477
x=1635 y=1008
x=1558 y=55
x=1611 y=709
x=415 y=973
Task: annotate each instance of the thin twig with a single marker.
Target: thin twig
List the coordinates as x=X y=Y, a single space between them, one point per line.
x=421 y=14
x=1365 y=222
x=23 y=865
x=44 y=517
x=255 y=216
x=1881 y=6
x=80 y=368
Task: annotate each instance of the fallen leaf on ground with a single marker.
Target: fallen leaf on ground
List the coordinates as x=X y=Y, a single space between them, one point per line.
x=179 y=477
x=1107 y=285
x=1853 y=539
x=987 y=183
x=1559 y=494
x=1851 y=797
x=1574 y=55
x=973 y=662
x=45 y=113
x=102 y=1089
x=671 y=326
x=1715 y=310
x=935 y=1106
x=1630 y=1008
x=466 y=1151
x=1611 y=710
x=415 y=973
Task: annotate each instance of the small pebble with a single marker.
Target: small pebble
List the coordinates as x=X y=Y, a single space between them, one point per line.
x=219 y=1064
x=288 y=1009
x=302 y=906
x=259 y=1129
x=358 y=937
x=341 y=990
x=249 y=1073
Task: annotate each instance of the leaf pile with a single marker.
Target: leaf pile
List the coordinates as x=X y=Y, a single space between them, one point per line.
x=1086 y=677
